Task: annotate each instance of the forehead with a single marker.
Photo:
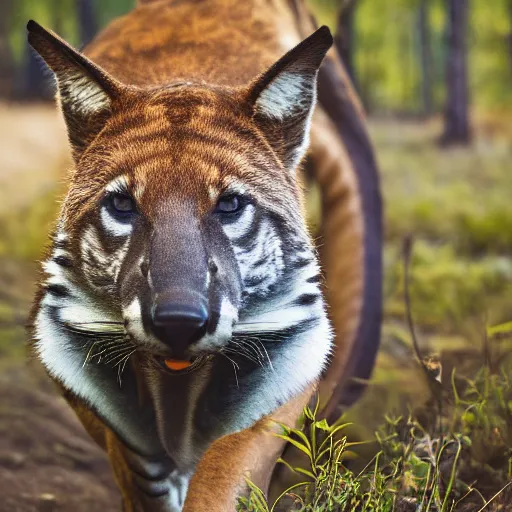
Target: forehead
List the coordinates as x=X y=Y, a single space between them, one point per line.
x=183 y=141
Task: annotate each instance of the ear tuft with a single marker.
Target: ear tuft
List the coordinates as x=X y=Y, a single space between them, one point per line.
x=86 y=91
x=284 y=96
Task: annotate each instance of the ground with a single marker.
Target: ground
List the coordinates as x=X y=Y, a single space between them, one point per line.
x=456 y=203
x=47 y=461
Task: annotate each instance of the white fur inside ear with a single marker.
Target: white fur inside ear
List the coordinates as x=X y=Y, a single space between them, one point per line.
x=82 y=95
x=288 y=94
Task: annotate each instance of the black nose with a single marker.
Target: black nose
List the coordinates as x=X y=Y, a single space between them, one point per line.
x=179 y=318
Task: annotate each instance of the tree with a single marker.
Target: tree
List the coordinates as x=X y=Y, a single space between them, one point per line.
x=425 y=56
x=344 y=38
x=33 y=81
x=6 y=59
x=510 y=34
x=87 y=23
x=456 y=116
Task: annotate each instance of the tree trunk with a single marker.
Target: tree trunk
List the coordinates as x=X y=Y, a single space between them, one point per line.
x=456 y=117
x=6 y=59
x=344 y=38
x=86 y=20
x=33 y=81
x=426 y=56
x=510 y=34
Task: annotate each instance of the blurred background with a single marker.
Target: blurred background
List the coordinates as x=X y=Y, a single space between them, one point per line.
x=435 y=77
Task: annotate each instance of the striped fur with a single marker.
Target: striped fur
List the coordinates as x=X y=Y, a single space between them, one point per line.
x=163 y=121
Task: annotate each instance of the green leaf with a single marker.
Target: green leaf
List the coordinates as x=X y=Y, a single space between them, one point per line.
x=322 y=425
x=499 y=329
x=305 y=472
x=295 y=443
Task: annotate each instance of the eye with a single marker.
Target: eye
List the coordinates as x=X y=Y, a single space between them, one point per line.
x=229 y=204
x=121 y=204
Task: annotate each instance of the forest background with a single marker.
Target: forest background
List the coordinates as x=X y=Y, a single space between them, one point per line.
x=435 y=77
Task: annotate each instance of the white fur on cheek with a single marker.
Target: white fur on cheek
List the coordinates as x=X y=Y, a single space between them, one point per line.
x=133 y=318
x=133 y=315
x=242 y=226
x=112 y=226
x=223 y=332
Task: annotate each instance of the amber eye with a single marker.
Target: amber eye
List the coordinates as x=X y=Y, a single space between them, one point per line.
x=121 y=204
x=229 y=204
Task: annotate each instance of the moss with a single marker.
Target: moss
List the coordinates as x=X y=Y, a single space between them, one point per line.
x=449 y=290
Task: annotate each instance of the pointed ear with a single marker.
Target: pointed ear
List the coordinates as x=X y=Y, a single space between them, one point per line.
x=85 y=91
x=282 y=99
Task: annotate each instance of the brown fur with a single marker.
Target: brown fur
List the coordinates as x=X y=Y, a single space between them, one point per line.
x=228 y=43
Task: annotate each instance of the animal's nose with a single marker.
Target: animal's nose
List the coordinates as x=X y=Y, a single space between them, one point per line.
x=179 y=318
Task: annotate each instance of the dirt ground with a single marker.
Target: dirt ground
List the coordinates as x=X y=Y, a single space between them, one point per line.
x=47 y=461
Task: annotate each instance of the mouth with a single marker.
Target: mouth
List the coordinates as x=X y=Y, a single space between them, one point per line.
x=182 y=366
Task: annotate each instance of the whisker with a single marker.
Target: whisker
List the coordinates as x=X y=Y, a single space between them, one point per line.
x=247 y=348
x=115 y=354
x=258 y=323
x=266 y=353
x=122 y=366
x=88 y=356
x=242 y=352
x=256 y=342
x=99 y=322
x=106 y=349
x=235 y=366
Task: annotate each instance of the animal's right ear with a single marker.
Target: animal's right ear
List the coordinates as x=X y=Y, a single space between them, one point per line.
x=85 y=91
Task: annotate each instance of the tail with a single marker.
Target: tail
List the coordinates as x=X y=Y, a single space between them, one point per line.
x=346 y=376
x=336 y=96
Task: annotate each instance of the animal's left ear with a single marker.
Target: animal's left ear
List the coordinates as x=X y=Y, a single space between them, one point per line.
x=283 y=97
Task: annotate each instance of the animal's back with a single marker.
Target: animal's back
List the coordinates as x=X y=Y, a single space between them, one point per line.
x=224 y=42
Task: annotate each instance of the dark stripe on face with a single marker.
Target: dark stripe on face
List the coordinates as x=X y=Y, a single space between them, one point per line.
x=278 y=337
x=314 y=279
x=255 y=280
x=63 y=261
x=57 y=290
x=249 y=239
x=307 y=299
x=260 y=261
x=301 y=263
x=61 y=244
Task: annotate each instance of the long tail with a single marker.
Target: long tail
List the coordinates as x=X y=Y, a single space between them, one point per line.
x=337 y=97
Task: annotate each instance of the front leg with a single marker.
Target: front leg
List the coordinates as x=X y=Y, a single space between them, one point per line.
x=146 y=484
x=220 y=475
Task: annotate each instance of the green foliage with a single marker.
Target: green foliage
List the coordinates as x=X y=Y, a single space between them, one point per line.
x=386 y=48
x=458 y=197
x=448 y=290
x=34 y=222
x=456 y=205
x=491 y=56
x=416 y=467
x=387 y=52
x=60 y=16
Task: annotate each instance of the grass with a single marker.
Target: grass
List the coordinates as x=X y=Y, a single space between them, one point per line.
x=459 y=196
x=452 y=454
